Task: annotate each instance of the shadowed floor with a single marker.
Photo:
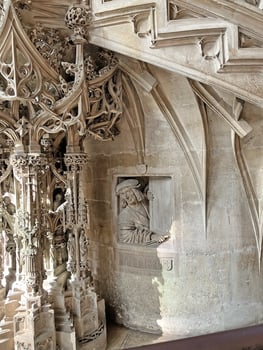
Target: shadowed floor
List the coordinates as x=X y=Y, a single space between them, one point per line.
x=247 y=338
x=122 y=338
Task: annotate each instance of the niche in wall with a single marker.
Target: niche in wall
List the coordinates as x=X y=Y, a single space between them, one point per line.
x=156 y=195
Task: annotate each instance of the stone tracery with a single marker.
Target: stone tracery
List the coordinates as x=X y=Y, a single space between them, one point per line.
x=47 y=108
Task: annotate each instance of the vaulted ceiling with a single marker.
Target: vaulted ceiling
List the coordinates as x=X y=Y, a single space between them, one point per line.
x=217 y=42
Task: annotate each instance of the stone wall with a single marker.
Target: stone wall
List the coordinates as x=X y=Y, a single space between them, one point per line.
x=206 y=277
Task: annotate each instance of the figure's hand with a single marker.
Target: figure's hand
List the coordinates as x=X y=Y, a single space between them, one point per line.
x=159 y=238
x=163 y=238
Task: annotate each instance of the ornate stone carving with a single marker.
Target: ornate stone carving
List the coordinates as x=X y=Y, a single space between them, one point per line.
x=78 y=17
x=36 y=161
x=50 y=45
x=47 y=92
x=23 y=346
x=47 y=108
x=83 y=244
x=71 y=247
x=104 y=98
x=75 y=161
x=133 y=219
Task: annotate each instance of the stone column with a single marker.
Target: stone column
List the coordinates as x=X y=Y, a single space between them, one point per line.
x=34 y=324
x=88 y=313
x=75 y=207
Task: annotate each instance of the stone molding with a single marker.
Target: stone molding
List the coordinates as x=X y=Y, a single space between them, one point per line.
x=201 y=30
x=228 y=46
x=225 y=43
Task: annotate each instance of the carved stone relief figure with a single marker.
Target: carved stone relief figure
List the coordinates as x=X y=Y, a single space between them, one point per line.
x=133 y=219
x=83 y=248
x=9 y=251
x=71 y=245
x=8 y=205
x=58 y=200
x=61 y=202
x=71 y=249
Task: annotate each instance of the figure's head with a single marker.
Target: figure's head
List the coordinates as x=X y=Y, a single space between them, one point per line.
x=7 y=200
x=58 y=196
x=129 y=193
x=68 y=194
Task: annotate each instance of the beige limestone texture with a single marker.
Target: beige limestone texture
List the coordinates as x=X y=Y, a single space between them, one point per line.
x=215 y=282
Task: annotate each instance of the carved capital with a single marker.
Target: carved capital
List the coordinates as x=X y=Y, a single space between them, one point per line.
x=75 y=161
x=24 y=161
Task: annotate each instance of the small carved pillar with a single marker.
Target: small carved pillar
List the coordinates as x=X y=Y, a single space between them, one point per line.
x=76 y=210
x=86 y=309
x=51 y=263
x=2 y=289
x=28 y=170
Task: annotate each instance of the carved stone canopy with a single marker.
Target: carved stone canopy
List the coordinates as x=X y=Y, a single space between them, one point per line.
x=56 y=80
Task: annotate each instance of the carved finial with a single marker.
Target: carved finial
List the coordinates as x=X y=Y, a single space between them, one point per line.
x=78 y=18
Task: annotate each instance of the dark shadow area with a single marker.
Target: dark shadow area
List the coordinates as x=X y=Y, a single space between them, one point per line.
x=249 y=338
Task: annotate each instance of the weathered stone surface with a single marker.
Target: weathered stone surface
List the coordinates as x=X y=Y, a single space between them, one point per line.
x=210 y=275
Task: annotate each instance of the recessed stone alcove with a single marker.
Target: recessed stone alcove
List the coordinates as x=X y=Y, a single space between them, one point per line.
x=158 y=192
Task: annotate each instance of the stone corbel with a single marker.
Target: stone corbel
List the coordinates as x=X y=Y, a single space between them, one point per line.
x=246 y=21
x=211 y=48
x=141 y=16
x=257 y=3
x=175 y=11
